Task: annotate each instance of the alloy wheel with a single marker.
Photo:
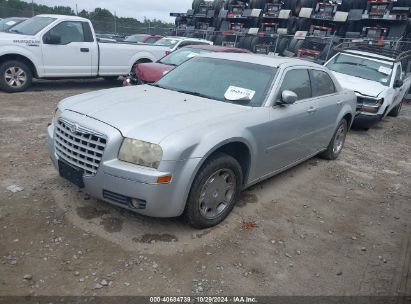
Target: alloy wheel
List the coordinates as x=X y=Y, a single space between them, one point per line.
x=15 y=77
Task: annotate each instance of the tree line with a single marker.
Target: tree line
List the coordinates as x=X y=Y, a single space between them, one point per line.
x=103 y=20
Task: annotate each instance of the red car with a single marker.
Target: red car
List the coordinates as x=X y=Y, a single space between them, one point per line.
x=143 y=38
x=153 y=71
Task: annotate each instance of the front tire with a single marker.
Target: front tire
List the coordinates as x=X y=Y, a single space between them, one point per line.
x=214 y=192
x=15 y=76
x=396 y=110
x=337 y=142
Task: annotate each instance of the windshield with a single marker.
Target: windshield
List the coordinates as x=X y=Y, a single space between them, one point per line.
x=135 y=38
x=214 y=78
x=182 y=55
x=167 y=42
x=5 y=24
x=362 y=67
x=32 y=26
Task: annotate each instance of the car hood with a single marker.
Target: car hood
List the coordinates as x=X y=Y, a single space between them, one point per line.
x=149 y=113
x=10 y=38
x=359 y=85
x=152 y=72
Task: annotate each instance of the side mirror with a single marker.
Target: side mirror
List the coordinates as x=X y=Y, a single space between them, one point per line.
x=398 y=83
x=52 y=39
x=288 y=97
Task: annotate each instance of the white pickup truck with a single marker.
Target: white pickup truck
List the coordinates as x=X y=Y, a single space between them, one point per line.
x=378 y=76
x=54 y=46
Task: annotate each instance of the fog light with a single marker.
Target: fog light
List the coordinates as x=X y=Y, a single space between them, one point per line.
x=138 y=204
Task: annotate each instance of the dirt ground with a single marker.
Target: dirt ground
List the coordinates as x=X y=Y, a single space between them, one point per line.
x=322 y=228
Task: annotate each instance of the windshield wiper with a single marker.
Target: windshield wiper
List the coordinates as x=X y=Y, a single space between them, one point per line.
x=14 y=31
x=198 y=94
x=155 y=85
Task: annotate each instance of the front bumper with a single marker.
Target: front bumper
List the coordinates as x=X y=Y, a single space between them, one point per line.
x=366 y=121
x=121 y=183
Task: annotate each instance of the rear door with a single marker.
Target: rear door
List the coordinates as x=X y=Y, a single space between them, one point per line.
x=73 y=56
x=329 y=105
x=292 y=126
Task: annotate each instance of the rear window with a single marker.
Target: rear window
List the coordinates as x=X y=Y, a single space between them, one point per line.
x=167 y=42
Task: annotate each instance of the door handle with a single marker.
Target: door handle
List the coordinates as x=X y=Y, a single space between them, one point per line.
x=84 y=50
x=312 y=110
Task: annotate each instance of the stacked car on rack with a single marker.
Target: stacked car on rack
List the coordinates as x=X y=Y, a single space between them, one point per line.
x=302 y=28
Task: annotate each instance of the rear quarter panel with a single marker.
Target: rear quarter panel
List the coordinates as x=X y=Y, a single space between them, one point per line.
x=119 y=58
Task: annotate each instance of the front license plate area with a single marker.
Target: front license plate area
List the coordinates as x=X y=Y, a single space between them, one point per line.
x=72 y=174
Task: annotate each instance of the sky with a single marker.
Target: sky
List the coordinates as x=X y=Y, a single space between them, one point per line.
x=159 y=9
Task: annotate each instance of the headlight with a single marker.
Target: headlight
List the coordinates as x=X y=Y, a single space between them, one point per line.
x=140 y=153
x=56 y=116
x=369 y=101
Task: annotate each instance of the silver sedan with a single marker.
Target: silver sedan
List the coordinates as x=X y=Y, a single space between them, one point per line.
x=190 y=143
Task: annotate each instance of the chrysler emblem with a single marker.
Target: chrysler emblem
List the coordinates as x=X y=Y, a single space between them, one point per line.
x=74 y=128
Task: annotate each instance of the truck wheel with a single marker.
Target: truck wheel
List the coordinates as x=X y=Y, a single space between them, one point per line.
x=396 y=111
x=15 y=76
x=214 y=191
x=337 y=142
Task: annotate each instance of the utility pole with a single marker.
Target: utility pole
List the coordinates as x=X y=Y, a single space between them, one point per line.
x=76 y=10
x=32 y=8
x=115 y=23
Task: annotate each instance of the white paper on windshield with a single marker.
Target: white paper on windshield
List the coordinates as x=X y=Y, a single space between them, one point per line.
x=191 y=55
x=237 y=93
x=385 y=70
x=10 y=22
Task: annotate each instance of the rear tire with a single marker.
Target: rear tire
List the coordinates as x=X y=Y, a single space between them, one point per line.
x=337 y=142
x=15 y=76
x=396 y=111
x=110 y=78
x=219 y=179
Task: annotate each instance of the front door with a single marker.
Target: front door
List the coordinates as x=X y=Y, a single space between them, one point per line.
x=292 y=126
x=72 y=55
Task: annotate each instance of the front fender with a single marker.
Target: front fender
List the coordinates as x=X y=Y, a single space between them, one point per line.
x=22 y=51
x=205 y=145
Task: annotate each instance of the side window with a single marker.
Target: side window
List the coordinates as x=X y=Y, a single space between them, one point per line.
x=69 y=31
x=323 y=83
x=297 y=81
x=398 y=73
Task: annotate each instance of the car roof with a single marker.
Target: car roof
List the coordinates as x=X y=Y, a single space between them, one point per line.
x=271 y=61
x=62 y=17
x=183 y=38
x=217 y=48
x=368 y=55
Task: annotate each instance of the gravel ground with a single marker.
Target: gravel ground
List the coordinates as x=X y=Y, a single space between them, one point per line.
x=322 y=228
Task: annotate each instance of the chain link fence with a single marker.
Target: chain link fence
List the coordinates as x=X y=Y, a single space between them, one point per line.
x=104 y=25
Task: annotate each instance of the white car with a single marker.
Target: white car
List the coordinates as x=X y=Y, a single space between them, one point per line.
x=377 y=76
x=175 y=43
x=55 y=46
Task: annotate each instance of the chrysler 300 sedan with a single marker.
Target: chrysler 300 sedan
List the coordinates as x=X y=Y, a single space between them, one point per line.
x=190 y=143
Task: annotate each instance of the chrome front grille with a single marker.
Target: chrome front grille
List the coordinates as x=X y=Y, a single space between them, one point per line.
x=80 y=147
